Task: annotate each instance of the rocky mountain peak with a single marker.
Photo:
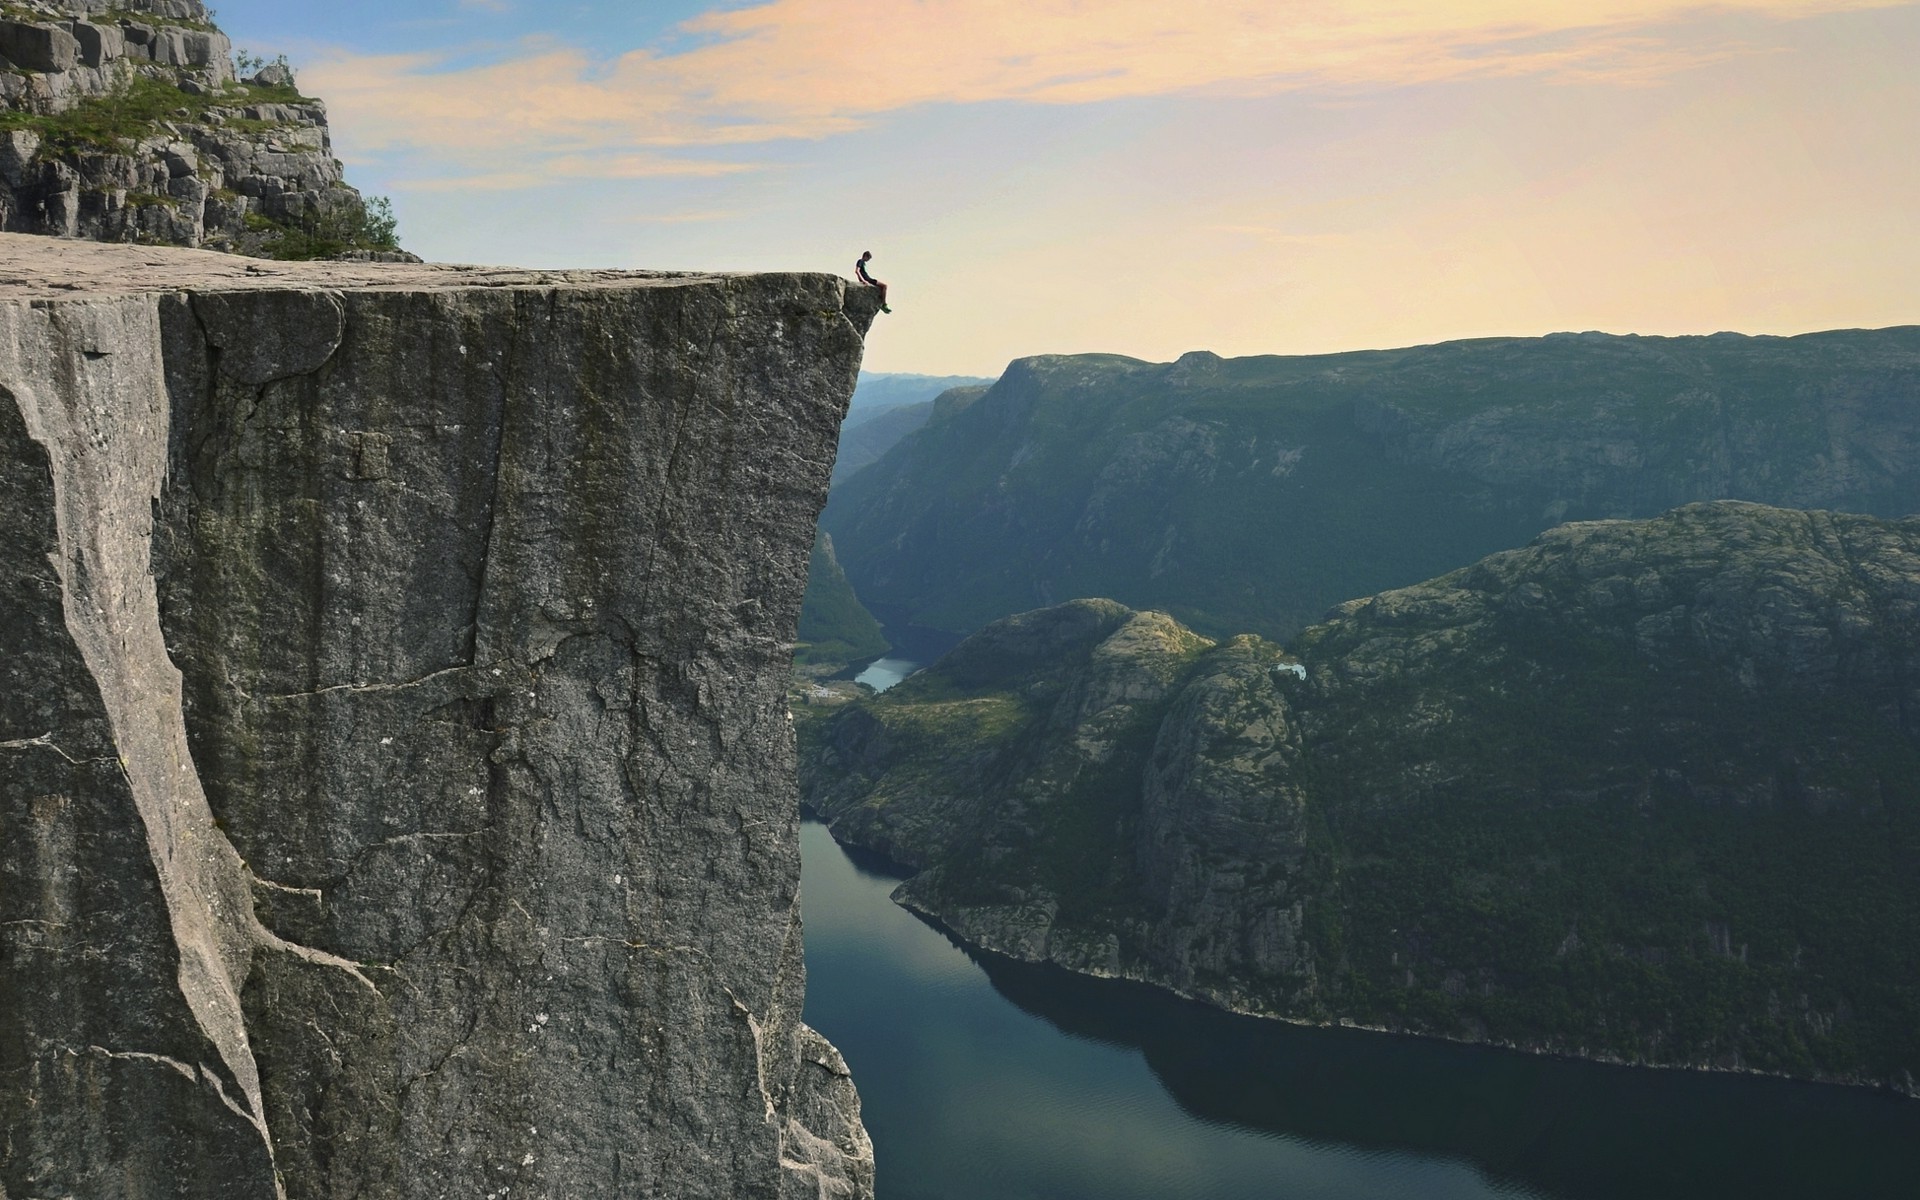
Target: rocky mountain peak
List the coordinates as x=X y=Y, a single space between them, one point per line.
x=127 y=121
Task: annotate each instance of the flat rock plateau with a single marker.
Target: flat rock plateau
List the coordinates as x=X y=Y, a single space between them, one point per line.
x=396 y=782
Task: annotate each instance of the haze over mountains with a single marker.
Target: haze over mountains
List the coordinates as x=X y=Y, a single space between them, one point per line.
x=887 y=408
x=1250 y=495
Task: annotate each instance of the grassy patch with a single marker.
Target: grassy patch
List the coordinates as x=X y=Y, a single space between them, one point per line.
x=133 y=110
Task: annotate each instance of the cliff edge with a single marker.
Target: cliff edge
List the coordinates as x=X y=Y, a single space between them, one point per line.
x=396 y=783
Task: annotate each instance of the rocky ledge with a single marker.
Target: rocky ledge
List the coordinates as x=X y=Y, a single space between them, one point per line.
x=396 y=791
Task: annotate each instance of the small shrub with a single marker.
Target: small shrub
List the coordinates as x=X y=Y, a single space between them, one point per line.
x=369 y=225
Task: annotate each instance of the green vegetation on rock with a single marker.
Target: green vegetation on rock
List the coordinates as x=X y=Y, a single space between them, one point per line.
x=129 y=125
x=370 y=226
x=135 y=109
x=834 y=628
x=1645 y=791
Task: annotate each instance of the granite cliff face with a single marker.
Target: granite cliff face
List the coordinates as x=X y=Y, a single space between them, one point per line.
x=122 y=121
x=395 y=775
x=1640 y=791
x=1252 y=494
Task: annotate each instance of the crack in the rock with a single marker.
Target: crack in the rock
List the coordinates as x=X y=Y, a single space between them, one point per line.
x=199 y=1074
x=288 y=889
x=45 y=742
x=361 y=688
x=759 y=1053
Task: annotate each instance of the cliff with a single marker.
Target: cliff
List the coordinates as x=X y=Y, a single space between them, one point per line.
x=124 y=121
x=1252 y=494
x=1640 y=791
x=395 y=774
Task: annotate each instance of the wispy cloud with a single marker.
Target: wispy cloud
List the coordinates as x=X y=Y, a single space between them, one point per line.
x=563 y=169
x=815 y=68
x=679 y=218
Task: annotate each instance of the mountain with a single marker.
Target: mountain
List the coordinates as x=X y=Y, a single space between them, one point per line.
x=1249 y=495
x=1643 y=791
x=868 y=441
x=834 y=628
x=127 y=121
x=879 y=391
x=396 y=791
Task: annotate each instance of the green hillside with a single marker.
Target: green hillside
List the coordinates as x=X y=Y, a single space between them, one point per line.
x=834 y=628
x=1645 y=791
x=1253 y=494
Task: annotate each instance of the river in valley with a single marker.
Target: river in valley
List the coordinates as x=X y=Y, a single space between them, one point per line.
x=985 y=1079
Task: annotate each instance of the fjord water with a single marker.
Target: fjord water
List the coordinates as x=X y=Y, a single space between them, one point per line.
x=987 y=1078
x=883 y=673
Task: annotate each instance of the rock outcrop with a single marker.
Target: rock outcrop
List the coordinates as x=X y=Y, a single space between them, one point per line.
x=395 y=775
x=1640 y=791
x=1252 y=494
x=123 y=121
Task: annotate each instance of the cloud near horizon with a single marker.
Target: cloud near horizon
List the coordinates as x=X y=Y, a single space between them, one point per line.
x=808 y=69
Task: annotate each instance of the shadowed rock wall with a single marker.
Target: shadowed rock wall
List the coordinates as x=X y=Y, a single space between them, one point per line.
x=459 y=852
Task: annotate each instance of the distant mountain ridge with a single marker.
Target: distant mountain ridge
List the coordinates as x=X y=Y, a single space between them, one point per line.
x=878 y=391
x=1252 y=494
x=834 y=626
x=1641 y=791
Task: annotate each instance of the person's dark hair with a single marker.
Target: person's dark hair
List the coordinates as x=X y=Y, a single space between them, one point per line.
x=866 y=254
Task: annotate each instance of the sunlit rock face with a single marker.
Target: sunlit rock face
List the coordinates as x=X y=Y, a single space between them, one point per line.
x=396 y=784
x=127 y=121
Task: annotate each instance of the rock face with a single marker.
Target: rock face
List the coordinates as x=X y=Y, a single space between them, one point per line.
x=1640 y=791
x=123 y=122
x=395 y=776
x=1250 y=495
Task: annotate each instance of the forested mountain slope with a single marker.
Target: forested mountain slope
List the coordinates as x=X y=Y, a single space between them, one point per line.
x=1253 y=494
x=1646 y=791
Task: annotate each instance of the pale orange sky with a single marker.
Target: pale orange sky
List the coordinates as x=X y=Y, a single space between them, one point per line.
x=1144 y=178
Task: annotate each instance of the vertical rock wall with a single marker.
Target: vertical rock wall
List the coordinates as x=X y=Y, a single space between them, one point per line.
x=482 y=870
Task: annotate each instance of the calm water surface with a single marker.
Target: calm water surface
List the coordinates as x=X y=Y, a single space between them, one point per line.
x=883 y=673
x=988 y=1079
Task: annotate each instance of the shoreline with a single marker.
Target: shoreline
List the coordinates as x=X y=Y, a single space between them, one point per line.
x=904 y=871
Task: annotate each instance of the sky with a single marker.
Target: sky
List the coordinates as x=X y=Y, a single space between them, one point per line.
x=1145 y=177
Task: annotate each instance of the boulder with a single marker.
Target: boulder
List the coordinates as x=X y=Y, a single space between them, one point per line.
x=99 y=44
x=17 y=148
x=275 y=75
x=39 y=47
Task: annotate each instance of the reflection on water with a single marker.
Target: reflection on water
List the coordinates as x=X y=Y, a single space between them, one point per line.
x=993 y=1078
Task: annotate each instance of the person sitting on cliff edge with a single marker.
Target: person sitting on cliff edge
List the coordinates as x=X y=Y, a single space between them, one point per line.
x=860 y=272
